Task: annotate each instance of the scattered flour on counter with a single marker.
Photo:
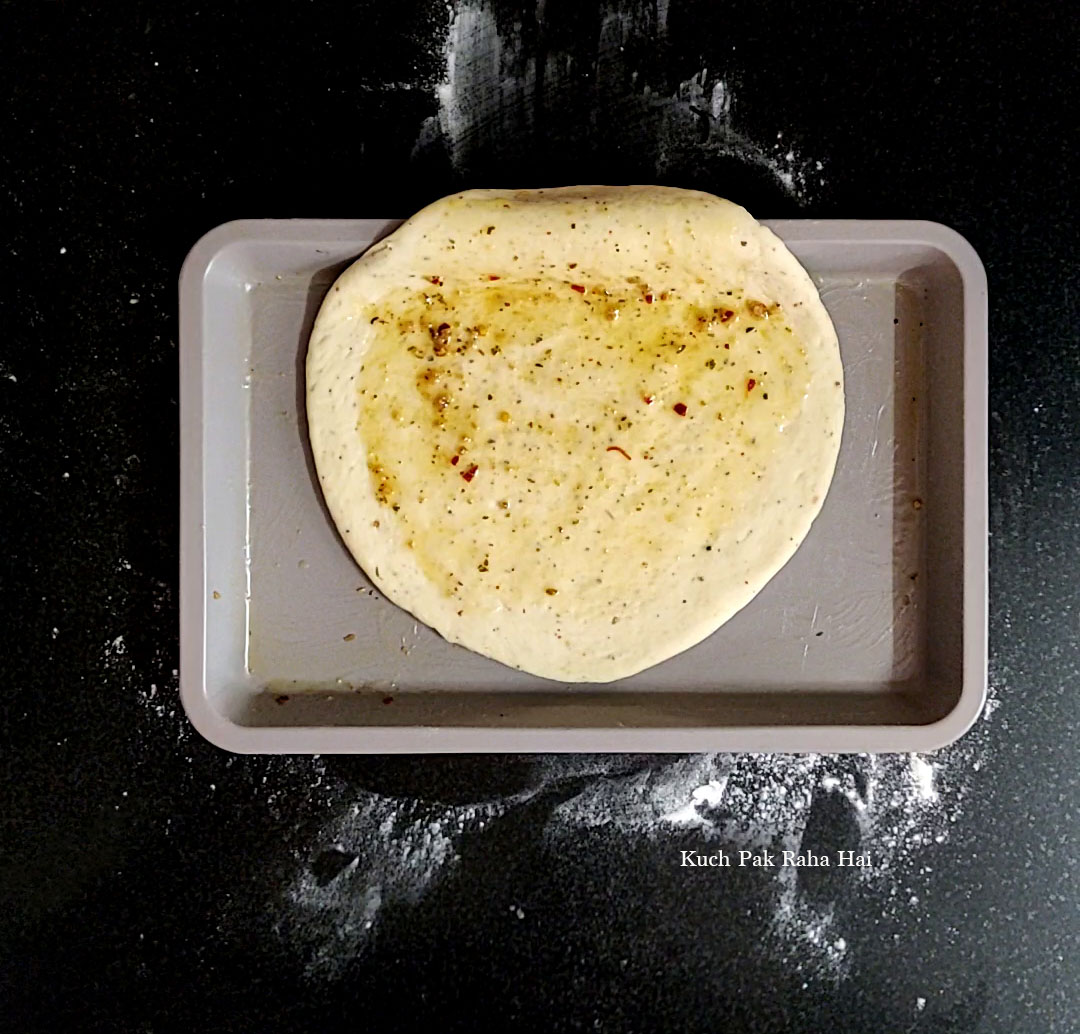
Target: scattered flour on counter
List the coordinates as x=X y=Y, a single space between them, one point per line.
x=500 y=94
x=804 y=932
x=706 y=102
x=380 y=850
x=159 y=701
x=114 y=650
x=162 y=702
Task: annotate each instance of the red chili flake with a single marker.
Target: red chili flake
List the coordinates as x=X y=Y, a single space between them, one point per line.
x=469 y=474
x=387 y=700
x=578 y=288
x=615 y=448
x=281 y=699
x=454 y=460
x=750 y=384
x=648 y=299
x=436 y=280
x=726 y=316
x=648 y=399
x=680 y=408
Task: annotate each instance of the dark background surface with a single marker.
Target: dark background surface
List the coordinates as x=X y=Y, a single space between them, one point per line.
x=133 y=898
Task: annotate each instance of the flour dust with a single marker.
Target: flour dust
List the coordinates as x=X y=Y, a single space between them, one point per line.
x=377 y=850
x=513 y=97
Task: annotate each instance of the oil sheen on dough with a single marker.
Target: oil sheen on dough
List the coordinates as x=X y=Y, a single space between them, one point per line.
x=576 y=429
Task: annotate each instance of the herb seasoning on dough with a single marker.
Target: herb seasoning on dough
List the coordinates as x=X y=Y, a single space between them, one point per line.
x=478 y=380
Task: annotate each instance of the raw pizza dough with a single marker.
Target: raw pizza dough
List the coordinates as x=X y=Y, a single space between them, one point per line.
x=577 y=429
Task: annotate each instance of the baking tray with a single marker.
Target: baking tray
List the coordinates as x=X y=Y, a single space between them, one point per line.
x=871 y=638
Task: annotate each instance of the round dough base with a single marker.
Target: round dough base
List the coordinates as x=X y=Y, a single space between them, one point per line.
x=577 y=429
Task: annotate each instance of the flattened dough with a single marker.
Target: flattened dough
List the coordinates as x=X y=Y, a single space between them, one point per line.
x=577 y=429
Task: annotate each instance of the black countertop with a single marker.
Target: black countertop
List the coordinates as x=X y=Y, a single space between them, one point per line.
x=152 y=882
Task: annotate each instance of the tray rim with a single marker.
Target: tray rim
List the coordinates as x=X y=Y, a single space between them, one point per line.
x=364 y=739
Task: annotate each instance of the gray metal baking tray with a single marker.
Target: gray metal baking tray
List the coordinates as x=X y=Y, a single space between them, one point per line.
x=872 y=638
